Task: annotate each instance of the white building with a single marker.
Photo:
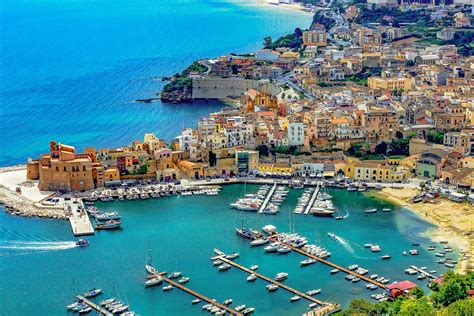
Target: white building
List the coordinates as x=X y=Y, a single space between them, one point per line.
x=295 y=134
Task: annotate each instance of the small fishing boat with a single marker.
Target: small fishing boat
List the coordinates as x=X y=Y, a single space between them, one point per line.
x=386 y=209
x=370 y=210
x=240 y=307
x=92 y=293
x=375 y=248
x=232 y=256
x=334 y=271
x=227 y=301
x=111 y=224
x=254 y=267
x=248 y=311
x=252 y=277
x=352 y=267
x=196 y=301
x=272 y=287
x=295 y=298
x=386 y=256
x=82 y=243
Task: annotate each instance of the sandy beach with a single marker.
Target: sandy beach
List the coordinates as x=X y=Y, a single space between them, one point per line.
x=275 y=4
x=454 y=221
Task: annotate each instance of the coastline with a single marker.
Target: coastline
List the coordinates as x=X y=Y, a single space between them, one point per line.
x=453 y=220
x=274 y=4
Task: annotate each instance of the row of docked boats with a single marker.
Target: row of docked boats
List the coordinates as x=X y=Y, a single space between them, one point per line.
x=374 y=210
x=104 y=221
x=112 y=305
x=303 y=201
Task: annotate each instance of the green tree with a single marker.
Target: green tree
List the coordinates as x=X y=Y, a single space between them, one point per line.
x=450 y=292
x=460 y=308
x=361 y=305
x=267 y=42
x=420 y=306
x=417 y=292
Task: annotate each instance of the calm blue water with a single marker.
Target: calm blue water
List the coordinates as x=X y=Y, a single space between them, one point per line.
x=69 y=70
x=182 y=232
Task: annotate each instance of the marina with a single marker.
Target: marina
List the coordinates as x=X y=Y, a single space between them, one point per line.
x=94 y=306
x=78 y=218
x=267 y=198
x=311 y=201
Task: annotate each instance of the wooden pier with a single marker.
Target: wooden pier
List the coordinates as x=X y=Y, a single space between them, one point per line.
x=200 y=296
x=267 y=198
x=364 y=278
x=429 y=275
x=270 y=280
x=311 y=201
x=94 y=306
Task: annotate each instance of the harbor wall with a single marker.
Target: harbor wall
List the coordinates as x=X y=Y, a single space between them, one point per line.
x=220 y=88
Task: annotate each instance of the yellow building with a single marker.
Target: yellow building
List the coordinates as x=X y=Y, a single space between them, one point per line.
x=315 y=38
x=391 y=83
x=111 y=174
x=275 y=168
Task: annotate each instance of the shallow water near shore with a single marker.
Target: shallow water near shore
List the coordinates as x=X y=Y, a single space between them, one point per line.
x=71 y=70
x=182 y=232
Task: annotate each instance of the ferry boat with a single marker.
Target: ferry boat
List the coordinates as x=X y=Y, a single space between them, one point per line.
x=111 y=224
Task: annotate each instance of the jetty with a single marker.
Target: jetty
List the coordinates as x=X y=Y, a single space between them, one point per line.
x=78 y=218
x=328 y=263
x=267 y=198
x=429 y=275
x=200 y=296
x=313 y=198
x=94 y=306
x=270 y=280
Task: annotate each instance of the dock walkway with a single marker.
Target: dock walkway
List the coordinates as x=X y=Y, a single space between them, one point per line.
x=78 y=218
x=364 y=278
x=200 y=296
x=429 y=275
x=267 y=198
x=311 y=201
x=94 y=306
x=270 y=280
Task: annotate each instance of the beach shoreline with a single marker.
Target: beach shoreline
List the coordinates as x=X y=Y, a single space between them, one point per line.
x=453 y=220
x=274 y=4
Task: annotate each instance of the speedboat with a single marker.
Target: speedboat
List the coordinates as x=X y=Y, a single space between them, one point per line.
x=82 y=243
x=252 y=277
x=413 y=252
x=254 y=267
x=375 y=248
x=338 y=218
x=313 y=292
x=281 y=276
x=218 y=252
x=295 y=298
x=167 y=288
x=373 y=276
x=431 y=248
x=368 y=245
x=349 y=277
x=307 y=262
x=175 y=275
x=120 y=310
x=224 y=267
x=196 y=301
x=154 y=281
x=92 y=293
x=332 y=235
x=370 y=210
x=183 y=280
x=227 y=301
x=272 y=287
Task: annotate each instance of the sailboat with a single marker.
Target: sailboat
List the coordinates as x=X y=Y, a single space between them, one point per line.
x=246 y=232
x=149 y=266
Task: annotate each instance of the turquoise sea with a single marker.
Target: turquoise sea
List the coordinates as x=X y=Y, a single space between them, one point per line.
x=70 y=70
x=40 y=270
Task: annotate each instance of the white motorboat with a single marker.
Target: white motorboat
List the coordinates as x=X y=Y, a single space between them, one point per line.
x=295 y=298
x=167 y=288
x=248 y=311
x=307 y=262
x=259 y=242
x=196 y=301
x=281 y=276
x=72 y=306
x=154 y=281
x=232 y=256
x=375 y=248
x=254 y=267
x=224 y=267
x=240 y=307
x=150 y=269
x=252 y=277
x=370 y=211
x=313 y=292
x=217 y=262
x=352 y=267
x=272 y=287
x=334 y=271
x=272 y=248
x=386 y=209
x=283 y=250
x=227 y=301
x=183 y=280
x=175 y=275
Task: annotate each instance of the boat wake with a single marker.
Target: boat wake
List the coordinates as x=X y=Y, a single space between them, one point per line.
x=346 y=216
x=346 y=244
x=18 y=247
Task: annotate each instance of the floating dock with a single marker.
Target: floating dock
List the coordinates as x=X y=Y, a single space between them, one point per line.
x=94 y=306
x=200 y=296
x=364 y=278
x=78 y=218
x=270 y=280
x=267 y=198
x=429 y=275
x=311 y=201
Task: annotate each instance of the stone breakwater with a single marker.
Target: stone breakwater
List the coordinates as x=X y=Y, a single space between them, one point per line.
x=16 y=204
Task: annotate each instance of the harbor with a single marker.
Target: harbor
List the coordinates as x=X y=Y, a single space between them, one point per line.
x=78 y=218
x=156 y=221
